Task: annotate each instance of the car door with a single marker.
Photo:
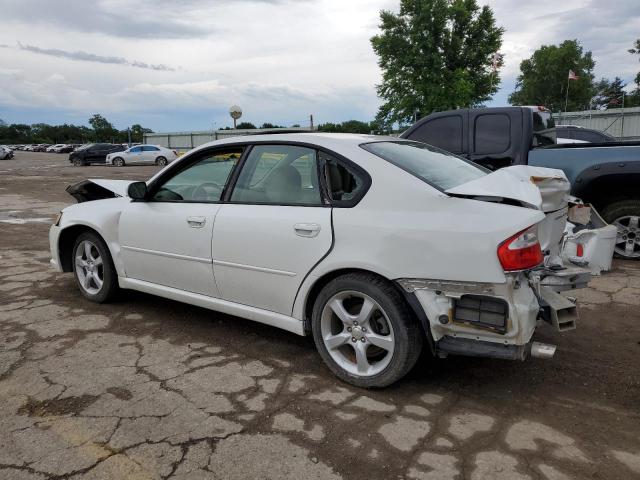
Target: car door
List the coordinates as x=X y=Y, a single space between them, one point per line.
x=166 y=240
x=273 y=230
x=134 y=155
x=150 y=153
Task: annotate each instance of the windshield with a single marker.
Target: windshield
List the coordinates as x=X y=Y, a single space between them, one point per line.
x=438 y=168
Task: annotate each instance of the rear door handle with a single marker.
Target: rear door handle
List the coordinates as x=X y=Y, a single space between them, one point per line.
x=196 y=222
x=306 y=229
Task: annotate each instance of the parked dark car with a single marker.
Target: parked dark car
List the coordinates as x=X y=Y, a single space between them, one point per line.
x=574 y=132
x=605 y=174
x=67 y=149
x=93 y=153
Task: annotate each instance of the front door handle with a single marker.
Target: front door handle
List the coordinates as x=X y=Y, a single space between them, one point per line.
x=196 y=222
x=307 y=229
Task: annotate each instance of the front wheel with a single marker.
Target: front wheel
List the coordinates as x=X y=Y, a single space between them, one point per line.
x=161 y=161
x=118 y=162
x=78 y=163
x=93 y=268
x=625 y=215
x=364 y=331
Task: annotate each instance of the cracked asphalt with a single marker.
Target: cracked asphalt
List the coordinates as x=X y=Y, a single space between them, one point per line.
x=148 y=388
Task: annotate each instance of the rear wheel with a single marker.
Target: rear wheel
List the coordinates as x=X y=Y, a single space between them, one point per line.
x=118 y=162
x=93 y=268
x=625 y=215
x=364 y=331
x=161 y=161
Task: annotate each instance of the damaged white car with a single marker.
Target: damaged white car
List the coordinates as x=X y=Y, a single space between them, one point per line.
x=378 y=247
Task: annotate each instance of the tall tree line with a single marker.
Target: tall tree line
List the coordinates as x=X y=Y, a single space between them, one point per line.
x=100 y=130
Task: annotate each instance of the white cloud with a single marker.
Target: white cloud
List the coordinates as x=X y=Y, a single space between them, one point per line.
x=281 y=60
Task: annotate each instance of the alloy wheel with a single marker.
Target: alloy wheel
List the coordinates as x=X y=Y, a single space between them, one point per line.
x=628 y=238
x=89 y=267
x=357 y=333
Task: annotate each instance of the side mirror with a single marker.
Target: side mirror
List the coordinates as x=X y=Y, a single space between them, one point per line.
x=137 y=190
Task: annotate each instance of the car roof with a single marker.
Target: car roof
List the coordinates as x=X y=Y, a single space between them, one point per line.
x=321 y=139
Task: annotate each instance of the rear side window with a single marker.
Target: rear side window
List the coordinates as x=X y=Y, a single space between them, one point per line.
x=436 y=167
x=279 y=175
x=345 y=185
x=149 y=148
x=443 y=132
x=492 y=134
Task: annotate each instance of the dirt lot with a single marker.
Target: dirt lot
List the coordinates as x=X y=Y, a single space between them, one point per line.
x=150 y=388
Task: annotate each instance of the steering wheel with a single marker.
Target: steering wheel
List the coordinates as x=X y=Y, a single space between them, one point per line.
x=201 y=192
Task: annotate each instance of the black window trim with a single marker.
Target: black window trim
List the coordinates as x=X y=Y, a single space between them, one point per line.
x=247 y=146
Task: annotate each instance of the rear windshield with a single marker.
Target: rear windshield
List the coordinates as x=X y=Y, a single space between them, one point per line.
x=438 y=168
x=544 y=129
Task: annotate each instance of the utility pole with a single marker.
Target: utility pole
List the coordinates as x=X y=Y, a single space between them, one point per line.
x=622 y=132
x=311 y=121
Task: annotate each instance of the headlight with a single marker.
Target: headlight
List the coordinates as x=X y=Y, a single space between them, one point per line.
x=58 y=218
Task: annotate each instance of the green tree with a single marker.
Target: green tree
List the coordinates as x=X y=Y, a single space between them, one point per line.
x=633 y=99
x=608 y=94
x=245 y=126
x=350 y=126
x=137 y=133
x=104 y=131
x=543 y=77
x=435 y=55
x=270 y=125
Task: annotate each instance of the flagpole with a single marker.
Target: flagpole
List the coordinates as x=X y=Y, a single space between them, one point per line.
x=566 y=99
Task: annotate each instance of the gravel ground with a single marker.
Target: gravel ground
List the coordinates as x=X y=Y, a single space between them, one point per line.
x=149 y=388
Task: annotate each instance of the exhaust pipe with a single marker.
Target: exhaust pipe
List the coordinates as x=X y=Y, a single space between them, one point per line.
x=542 y=350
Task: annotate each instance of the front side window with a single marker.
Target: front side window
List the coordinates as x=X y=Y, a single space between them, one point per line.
x=279 y=175
x=202 y=181
x=135 y=149
x=438 y=168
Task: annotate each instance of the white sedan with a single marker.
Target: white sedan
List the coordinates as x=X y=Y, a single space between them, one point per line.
x=142 y=154
x=376 y=246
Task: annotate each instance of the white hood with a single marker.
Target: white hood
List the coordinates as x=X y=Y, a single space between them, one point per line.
x=119 y=187
x=545 y=189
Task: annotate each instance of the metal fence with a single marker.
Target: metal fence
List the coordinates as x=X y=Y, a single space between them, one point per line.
x=622 y=123
x=183 y=141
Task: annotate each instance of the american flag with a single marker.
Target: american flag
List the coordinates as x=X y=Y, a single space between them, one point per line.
x=572 y=75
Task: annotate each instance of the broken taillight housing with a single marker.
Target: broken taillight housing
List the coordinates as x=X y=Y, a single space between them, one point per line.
x=521 y=251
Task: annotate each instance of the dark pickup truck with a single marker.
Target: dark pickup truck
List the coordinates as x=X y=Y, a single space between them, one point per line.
x=607 y=175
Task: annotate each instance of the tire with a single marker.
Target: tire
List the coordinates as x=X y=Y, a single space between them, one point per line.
x=91 y=258
x=161 y=161
x=390 y=328
x=78 y=163
x=625 y=215
x=118 y=162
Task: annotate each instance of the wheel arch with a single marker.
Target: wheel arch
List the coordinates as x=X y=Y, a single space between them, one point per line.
x=66 y=241
x=611 y=184
x=314 y=290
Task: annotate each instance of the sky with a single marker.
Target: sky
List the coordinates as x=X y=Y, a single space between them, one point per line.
x=179 y=65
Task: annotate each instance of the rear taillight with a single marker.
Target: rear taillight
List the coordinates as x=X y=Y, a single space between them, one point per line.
x=521 y=251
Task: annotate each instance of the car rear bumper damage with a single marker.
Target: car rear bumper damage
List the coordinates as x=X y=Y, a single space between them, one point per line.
x=491 y=320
